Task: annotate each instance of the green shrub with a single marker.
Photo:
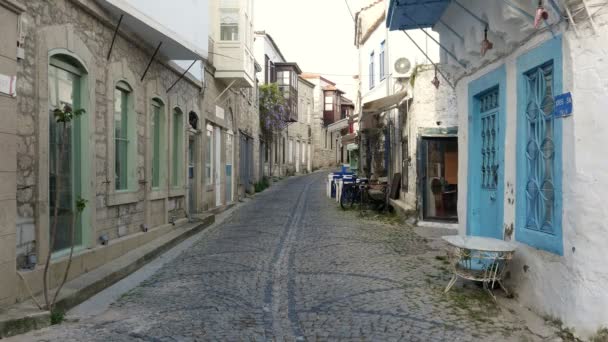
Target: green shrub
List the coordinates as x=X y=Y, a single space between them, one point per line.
x=262 y=185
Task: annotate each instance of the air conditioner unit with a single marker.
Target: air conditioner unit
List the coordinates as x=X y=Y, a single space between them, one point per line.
x=402 y=67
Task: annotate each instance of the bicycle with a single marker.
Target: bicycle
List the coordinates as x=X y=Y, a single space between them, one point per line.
x=373 y=196
x=350 y=194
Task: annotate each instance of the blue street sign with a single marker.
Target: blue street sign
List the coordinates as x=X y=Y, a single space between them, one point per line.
x=563 y=105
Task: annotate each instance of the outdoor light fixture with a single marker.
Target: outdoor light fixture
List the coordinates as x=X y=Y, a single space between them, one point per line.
x=435 y=80
x=541 y=14
x=103 y=239
x=486 y=44
x=144 y=227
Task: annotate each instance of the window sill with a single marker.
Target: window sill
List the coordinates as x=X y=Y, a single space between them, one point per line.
x=177 y=192
x=122 y=197
x=157 y=194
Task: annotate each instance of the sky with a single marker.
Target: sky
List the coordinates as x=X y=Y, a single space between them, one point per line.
x=316 y=34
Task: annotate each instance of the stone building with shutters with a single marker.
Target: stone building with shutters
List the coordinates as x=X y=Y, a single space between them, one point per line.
x=158 y=144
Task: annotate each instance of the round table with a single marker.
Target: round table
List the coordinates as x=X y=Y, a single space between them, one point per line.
x=480 y=259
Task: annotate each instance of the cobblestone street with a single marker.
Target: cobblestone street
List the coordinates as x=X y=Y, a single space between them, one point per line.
x=291 y=265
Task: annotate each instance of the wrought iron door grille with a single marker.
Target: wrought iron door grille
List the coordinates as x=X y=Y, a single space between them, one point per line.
x=540 y=150
x=488 y=107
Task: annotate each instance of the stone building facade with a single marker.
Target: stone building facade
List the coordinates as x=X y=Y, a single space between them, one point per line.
x=66 y=44
x=324 y=148
x=9 y=14
x=155 y=146
x=299 y=133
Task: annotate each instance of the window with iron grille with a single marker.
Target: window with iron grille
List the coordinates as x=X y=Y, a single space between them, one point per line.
x=540 y=151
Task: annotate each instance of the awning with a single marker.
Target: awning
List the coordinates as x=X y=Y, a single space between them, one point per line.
x=151 y=32
x=338 y=125
x=348 y=138
x=383 y=104
x=413 y=14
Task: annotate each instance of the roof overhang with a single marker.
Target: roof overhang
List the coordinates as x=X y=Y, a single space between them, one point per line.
x=338 y=125
x=383 y=104
x=413 y=14
x=152 y=32
x=348 y=139
x=290 y=65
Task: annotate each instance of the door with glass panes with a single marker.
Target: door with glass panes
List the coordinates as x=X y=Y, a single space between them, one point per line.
x=65 y=167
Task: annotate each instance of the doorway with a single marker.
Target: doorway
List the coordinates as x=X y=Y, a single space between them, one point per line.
x=217 y=137
x=191 y=174
x=229 y=163
x=439 y=178
x=66 y=154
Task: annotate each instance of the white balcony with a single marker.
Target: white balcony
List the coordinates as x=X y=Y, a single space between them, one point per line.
x=232 y=29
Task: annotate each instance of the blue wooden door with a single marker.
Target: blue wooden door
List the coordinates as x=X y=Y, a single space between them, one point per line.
x=487 y=166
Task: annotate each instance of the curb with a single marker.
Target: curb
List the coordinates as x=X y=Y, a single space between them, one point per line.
x=34 y=319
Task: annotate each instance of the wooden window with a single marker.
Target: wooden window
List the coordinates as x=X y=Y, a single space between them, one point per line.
x=371 y=70
x=157 y=129
x=65 y=83
x=122 y=136
x=178 y=147
x=229 y=20
x=329 y=103
x=381 y=61
x=209 y=156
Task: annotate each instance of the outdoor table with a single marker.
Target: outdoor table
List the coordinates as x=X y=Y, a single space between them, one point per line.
x=480 y=259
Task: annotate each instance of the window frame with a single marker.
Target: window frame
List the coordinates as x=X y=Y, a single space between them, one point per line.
x=228 y=10
x=120 y=76
x=177 y=148
x=549 y=52
x=124 y=175
x=382 y=61
x=158 y=124
x=371 y=70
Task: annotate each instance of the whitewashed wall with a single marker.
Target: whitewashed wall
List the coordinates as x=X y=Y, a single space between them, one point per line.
x=571 y=287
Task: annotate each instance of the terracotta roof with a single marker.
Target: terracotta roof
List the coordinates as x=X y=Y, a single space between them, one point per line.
x=313 y=75
x=346 y=101
x=309 y=75
x=332 y=88
x=365 y=8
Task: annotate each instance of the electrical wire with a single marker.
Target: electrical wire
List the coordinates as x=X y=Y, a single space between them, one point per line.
x=349 y=11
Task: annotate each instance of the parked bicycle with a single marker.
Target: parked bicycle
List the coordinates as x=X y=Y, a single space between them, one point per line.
x=351 y=192
x=373 y=197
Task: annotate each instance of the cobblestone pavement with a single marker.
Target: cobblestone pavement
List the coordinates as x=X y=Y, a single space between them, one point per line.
x=291 y=266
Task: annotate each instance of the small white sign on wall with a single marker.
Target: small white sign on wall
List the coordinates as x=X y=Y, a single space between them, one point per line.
x=8 y=85
x=219 y=112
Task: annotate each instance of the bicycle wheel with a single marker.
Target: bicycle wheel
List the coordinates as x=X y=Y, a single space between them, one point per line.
x=346 y=197
x=363 y=202
x=354 y=197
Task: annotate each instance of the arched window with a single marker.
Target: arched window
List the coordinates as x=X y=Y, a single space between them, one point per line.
x=123 y=124
x=178 y=147
x=158 y=140
x=66 y=162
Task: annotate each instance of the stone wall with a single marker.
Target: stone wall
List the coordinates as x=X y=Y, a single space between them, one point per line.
x=47 y=24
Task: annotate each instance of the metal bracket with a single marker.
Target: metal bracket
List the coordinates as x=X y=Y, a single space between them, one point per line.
x=452 y=30
x=434 y=64
x=114 y=37
x=438 y=43
x=151 y=60
x=182 y=75
x=471 y=13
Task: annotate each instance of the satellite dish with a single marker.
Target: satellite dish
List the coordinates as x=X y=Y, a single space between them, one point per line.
x=402 y=66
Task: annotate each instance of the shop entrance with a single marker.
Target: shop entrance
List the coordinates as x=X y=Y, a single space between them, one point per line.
x=439 y=178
